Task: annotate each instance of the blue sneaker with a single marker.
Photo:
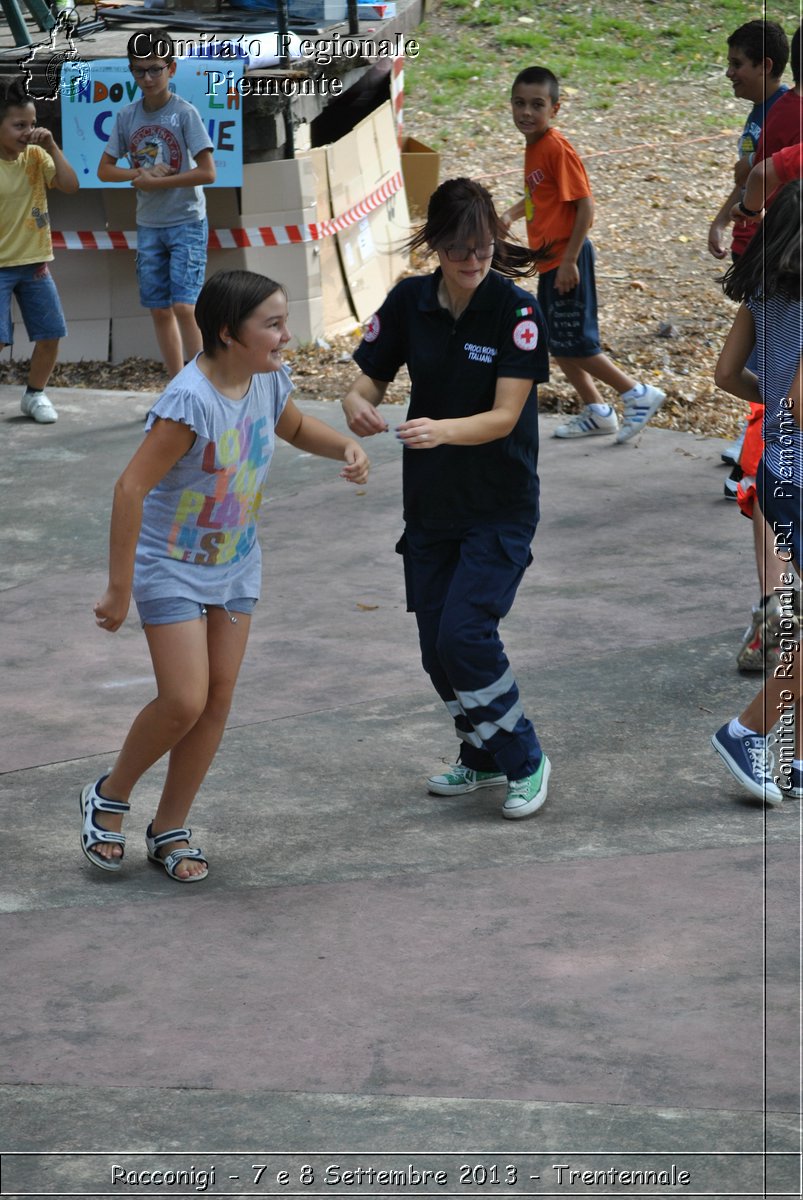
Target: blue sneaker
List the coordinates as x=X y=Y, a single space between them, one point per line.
x=525 y=796
x=639 y=410
x=750 y=760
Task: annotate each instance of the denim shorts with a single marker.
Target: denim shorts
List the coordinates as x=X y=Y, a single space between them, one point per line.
x=171 y=263
x=35 y=292
x=170 y=610
x=571 y=317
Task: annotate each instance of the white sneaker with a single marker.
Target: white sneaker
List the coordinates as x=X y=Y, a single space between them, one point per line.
x=639 y=409
x=731 y=454
x=37 y=405
x=588 y=424
x=525 y=796
x=730 y=489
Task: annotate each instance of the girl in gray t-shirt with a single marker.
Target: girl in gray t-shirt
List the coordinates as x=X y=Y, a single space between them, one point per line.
x=183 y=544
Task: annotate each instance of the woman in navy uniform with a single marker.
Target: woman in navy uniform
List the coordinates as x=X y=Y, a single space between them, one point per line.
x=475 y=348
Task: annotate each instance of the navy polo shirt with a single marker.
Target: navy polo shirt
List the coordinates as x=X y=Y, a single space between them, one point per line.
x=454 y=366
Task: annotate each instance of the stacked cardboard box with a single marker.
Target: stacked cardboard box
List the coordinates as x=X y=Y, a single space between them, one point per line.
x=371 y=251
x=337 y=313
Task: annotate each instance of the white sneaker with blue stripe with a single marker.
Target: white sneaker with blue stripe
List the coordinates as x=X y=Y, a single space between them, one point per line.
x=750 y=760
x=588 y=424
x=641 y=403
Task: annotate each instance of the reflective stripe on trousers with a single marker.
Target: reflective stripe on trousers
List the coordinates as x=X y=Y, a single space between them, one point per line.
x=460 y=585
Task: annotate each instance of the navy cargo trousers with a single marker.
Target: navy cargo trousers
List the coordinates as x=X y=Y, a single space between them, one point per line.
x=460 y=584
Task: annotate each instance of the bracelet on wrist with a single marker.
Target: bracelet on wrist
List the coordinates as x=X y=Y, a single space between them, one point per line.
x=748 y=212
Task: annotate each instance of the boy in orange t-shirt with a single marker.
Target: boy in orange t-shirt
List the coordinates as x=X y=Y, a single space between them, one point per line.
x=559 y=210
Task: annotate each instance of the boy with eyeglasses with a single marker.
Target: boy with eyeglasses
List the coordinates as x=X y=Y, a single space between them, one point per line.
x=170 y=152
x=559 y=209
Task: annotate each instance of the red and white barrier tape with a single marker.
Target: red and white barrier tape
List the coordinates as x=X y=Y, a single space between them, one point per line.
x=227 y=239
x=397 y=94
x=264 y=235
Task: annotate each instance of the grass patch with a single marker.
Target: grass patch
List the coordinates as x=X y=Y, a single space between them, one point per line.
x=592 y=45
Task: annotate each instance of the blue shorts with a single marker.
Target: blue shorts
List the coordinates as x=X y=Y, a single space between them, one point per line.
x=171 y=263
x=38 y=301
x=781 y=504
x=171 y=610
x=571 y=317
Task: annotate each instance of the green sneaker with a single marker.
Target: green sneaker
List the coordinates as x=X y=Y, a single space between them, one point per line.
x=457 y=780
x=525 y=796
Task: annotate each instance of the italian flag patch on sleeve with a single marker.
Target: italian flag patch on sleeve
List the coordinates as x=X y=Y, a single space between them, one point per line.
x=524 y=312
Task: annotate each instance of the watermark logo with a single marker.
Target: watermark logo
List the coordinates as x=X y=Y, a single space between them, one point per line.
x=64 y=70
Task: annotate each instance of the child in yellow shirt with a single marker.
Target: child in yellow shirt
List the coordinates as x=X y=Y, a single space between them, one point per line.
x=30 y=163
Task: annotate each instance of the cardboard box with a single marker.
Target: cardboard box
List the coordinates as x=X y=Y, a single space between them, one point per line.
x=305 y=322
x=370 y=250
x=86 y=341
x=77 y=210
x=297 y=268
x=396 y=210
x=120 y=207
x=84 y=282
x=134 y=337
x=222 y=208
x=275 y=195
x=338 y=316
x=421 y=167
x=124 y=285
x=279 y=186
x=83 y=277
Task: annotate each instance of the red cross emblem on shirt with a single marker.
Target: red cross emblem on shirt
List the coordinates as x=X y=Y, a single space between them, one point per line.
x=525 y=335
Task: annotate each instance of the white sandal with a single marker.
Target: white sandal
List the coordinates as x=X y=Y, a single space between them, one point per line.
x=93 y=834
x=170 y=861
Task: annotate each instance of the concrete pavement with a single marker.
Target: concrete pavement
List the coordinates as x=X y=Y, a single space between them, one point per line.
x=373 y=977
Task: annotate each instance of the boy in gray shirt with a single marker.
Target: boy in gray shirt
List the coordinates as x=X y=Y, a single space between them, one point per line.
x=170 y=152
